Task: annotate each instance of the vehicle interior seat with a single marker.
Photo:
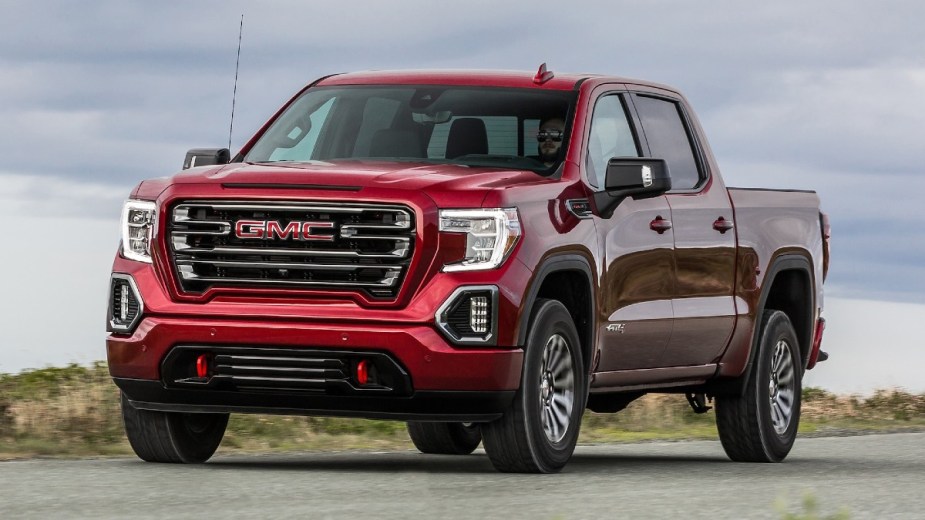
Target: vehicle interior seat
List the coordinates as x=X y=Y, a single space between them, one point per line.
x=467 y=136
x=396 y=143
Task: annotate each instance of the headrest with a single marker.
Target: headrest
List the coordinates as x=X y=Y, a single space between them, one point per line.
x=467 y=136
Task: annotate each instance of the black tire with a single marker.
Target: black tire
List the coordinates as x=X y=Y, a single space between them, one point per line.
x=445 y=438
x=753 y=426
x=528 y=438
x=189 y=438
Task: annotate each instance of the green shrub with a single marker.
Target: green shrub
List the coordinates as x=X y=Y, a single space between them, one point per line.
x=74 y=410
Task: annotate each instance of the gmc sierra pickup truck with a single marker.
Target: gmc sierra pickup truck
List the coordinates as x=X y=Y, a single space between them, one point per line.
x=482 y=254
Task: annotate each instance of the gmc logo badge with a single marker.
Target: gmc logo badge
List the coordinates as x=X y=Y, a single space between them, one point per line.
x=272 y=229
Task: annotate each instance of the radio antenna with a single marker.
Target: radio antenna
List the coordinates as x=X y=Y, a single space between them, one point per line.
x=234 y=95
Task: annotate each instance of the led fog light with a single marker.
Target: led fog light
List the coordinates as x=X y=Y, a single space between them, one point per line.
x=470 y=315
x=125 y=304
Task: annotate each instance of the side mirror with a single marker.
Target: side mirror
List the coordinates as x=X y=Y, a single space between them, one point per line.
x=637 y=177
x=206 y=156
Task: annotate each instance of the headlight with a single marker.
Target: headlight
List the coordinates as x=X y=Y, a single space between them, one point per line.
x=490 y=236
x=138 y=218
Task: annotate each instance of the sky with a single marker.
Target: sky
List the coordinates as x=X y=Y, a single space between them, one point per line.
x=97 y=95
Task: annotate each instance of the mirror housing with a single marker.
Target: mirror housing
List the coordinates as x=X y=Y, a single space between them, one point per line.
x=637 y=177
x=206 y=157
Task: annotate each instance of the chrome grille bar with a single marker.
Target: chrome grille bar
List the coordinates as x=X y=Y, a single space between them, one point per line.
x=401 y=252
x=246 y=264
x=384 y=283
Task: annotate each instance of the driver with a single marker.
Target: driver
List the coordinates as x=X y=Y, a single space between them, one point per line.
x=549 y=140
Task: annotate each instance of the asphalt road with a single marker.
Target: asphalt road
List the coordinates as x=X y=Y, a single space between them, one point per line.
x=874 y=476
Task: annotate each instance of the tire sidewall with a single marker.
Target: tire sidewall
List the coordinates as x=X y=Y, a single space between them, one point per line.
x=196 y=436
x=550 y=318
x=777 y=328
x=467 y=434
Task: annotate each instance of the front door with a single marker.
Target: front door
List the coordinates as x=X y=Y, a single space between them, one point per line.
x=638 y=273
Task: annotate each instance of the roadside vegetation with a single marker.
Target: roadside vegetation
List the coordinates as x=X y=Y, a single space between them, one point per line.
x=74 y=411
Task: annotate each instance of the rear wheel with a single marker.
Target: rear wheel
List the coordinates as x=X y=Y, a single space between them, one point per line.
x=538 y=433
x=445 y=438
x=173 y=437
x=761 y=424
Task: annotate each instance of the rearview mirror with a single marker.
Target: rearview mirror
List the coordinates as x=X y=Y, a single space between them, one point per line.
x=431 y=117
x=205 y=157
x=637 y=177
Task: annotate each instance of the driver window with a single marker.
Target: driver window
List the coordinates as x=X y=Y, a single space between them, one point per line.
x=610 y=136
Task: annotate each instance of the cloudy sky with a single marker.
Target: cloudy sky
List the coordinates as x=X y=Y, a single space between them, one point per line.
x=98 y=95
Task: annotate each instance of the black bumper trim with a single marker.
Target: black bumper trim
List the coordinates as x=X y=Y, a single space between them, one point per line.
x=450 y=406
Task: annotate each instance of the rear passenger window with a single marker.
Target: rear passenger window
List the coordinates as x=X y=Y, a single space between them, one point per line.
x=669 y=139
x=530 y=148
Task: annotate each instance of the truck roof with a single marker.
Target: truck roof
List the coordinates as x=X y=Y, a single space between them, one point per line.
x=494 y=78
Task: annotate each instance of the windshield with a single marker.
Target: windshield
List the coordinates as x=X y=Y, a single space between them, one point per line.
x=475 y=126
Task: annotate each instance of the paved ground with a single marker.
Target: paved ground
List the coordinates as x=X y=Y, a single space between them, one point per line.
x=873 y=476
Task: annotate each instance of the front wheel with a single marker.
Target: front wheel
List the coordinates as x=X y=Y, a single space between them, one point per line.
x=538 y=433
x=445 y=438
x=761 y=424
x=189 y=438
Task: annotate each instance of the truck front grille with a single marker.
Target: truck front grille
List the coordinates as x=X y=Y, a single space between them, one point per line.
x=290 y=244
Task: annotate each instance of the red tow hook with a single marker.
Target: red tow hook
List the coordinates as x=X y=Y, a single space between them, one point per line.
x=204 y=366
x=816 y=355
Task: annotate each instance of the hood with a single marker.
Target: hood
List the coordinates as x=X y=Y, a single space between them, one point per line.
x=440 y=181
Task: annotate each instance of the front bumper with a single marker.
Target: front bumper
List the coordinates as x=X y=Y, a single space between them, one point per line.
x=446 y=382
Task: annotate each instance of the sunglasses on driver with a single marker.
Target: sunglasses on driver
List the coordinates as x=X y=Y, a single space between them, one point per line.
x=555 y=135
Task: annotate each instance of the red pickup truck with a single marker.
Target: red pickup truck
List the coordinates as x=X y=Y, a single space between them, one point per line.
x=482 y=254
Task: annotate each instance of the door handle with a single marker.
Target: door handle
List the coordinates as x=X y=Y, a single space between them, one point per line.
x=722 y=225
x=660 y=225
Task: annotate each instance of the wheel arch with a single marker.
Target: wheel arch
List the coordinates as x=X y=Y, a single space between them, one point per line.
x=569 y=279
x=788 y=288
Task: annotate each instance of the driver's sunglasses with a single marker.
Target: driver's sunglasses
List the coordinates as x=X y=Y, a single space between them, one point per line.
x=555 y=135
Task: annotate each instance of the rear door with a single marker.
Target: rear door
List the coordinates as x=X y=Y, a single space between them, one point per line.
x=704 y=238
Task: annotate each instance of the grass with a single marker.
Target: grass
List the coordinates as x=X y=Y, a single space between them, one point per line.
x=74 y=412
x=810 y=511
